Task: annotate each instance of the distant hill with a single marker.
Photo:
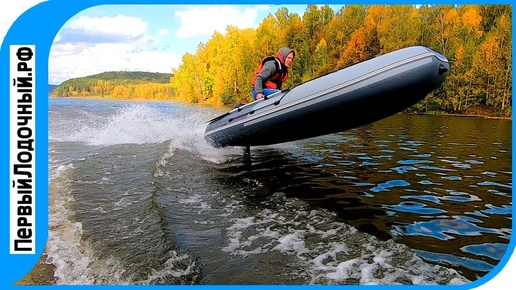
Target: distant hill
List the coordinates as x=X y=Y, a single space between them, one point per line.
x=127 y=77
x=104 y=83
x=131 y=76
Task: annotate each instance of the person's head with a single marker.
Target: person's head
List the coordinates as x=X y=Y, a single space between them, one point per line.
x=286 y=56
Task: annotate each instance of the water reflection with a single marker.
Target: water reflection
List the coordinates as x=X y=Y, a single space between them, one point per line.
x=440 y=185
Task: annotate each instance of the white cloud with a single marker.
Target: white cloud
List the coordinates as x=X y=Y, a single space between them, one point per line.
x=163 y=32
x=63 y=64
x=91 y=45
x=120 y=24
x=204 y=20
x=103 y=29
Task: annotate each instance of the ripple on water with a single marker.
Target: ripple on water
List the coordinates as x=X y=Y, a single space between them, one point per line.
x=494 y=251
x=445 y=228
x=390 y=184
x=425 y=197
x=415 y=207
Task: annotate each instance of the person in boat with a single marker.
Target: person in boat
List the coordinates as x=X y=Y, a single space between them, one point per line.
x=272 y=73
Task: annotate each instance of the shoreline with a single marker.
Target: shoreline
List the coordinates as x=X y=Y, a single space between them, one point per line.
x=462 y=116
x=230 y=107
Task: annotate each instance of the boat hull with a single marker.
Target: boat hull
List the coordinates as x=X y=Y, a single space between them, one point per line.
x=348 y=98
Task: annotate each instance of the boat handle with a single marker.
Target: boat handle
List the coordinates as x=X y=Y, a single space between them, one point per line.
x=442 y=69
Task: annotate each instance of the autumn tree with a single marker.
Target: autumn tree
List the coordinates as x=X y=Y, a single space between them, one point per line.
x=347 y=21
x=475 y=38
x=399 y=28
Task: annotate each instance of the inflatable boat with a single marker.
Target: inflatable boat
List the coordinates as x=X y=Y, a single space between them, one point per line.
x=348 y=98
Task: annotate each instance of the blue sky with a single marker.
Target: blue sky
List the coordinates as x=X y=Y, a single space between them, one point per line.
x=144 y=37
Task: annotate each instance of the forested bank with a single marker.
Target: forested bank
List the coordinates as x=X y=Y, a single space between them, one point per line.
x=119 y=85
x=475 y=38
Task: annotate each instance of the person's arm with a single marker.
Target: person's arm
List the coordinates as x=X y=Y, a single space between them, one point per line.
x=268 y=70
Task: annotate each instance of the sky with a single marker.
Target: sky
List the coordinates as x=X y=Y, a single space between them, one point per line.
x=144 y=38
x=141 y=37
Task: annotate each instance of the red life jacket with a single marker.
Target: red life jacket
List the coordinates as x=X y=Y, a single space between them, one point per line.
x=278 y=78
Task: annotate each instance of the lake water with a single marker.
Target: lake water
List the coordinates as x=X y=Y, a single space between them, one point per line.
x=136 y=196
